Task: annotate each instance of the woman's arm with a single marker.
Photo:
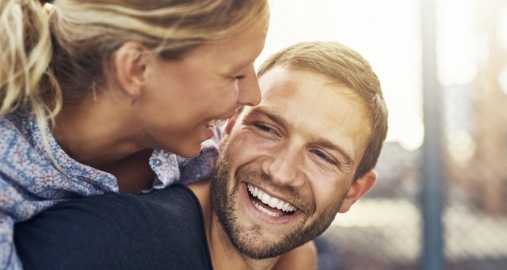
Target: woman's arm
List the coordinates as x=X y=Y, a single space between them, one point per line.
x=302 y=258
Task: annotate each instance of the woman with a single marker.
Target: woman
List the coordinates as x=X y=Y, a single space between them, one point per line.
x=96 y=98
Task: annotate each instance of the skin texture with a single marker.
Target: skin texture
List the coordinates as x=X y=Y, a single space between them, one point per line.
x=302 y=145
x=160 y=103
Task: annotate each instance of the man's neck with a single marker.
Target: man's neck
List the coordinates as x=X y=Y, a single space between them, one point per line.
x=223 y=254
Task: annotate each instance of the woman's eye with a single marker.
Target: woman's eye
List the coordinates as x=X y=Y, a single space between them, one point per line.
x=239 y=77
x=235 y=81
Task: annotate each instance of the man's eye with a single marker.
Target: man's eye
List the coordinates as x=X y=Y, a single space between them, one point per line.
x=264 y=128
x=324 y=157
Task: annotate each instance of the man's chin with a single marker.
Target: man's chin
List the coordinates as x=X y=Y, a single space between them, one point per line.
x=252 y=244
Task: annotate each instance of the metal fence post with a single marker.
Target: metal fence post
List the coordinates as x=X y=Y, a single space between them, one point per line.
x=432 y=181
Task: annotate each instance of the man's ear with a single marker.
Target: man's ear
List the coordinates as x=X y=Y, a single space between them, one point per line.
x=130 y=63
x=230 y=124
x=226 y=132
x=359 y=188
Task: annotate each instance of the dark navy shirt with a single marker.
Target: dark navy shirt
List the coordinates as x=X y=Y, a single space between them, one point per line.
x=163 y=229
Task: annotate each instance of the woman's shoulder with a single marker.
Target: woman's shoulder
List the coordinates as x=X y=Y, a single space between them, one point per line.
x=15 y=132
x=18 y=127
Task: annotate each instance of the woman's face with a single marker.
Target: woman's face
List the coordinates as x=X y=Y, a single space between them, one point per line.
x=184 y=96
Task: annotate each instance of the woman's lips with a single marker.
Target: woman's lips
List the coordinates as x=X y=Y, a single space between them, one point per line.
x=217 y=122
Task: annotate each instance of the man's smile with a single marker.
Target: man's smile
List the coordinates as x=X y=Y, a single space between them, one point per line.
x=270 y=205
x=269 y=208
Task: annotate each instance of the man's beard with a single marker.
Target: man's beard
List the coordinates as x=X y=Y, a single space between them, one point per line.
x=247 y=239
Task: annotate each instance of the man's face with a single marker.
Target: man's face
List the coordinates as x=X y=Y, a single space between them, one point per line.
x=288 y=165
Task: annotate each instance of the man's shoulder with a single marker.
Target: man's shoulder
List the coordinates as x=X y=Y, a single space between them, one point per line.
x=158 y=230
x=176 y=221
x=201 y=190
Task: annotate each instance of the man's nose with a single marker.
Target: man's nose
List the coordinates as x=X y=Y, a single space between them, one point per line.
x=249 y=90
x=284 y=165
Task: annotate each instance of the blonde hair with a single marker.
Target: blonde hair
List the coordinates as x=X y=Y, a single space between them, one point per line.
x=44 y=63
x=25 y=54
x=342 y=65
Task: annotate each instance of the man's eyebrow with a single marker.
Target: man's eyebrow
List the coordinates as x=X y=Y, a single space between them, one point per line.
x=317 y=141
x=278 y=120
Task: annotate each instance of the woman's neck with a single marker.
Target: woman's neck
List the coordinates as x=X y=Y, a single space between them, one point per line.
x=93 y=133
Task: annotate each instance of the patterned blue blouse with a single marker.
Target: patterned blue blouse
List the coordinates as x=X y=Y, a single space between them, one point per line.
x=30 y=182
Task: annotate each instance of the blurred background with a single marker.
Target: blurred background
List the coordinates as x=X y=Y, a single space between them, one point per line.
x=441 y=198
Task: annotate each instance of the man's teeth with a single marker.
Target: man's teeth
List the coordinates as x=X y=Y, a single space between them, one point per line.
x=270 y=201
x=264 y=210
x=217 y=122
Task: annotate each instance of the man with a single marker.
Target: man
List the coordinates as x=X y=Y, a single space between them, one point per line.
x=287 y=167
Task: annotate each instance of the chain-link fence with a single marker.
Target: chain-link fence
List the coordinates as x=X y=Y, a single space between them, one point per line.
x=384 y=229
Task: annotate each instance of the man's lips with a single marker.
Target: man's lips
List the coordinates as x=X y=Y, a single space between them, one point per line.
x=268 y=204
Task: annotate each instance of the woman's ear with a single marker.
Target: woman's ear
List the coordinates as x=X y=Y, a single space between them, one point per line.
x=358 y=189
x=130 y=63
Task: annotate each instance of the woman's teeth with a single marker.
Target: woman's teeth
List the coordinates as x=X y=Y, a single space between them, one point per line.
x=217 y=122
x=270 y=201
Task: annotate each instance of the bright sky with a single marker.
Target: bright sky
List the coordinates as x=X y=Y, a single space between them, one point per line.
x=387 y=33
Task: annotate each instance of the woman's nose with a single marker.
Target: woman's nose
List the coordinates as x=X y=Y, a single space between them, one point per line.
x=249 y=90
